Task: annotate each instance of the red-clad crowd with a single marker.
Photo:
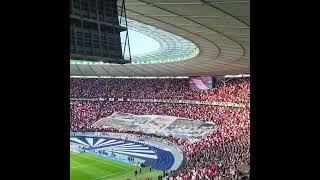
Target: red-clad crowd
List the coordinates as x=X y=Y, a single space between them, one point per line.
x=234 y=90
x=216 y=156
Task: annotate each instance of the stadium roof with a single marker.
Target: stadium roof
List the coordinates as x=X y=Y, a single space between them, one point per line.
x=172 y=47
x=197 y=37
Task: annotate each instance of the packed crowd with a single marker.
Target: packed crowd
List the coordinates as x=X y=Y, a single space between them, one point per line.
x=235 y=90
x=219 y=160
x=216 y=156
x=203 y=160
x=233 y=121
x=216 y=160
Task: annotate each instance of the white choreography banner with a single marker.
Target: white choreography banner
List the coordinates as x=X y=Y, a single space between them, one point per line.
x=157 y=124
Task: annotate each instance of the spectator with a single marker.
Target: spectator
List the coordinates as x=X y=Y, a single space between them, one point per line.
x=215 y=156
x=234 y=90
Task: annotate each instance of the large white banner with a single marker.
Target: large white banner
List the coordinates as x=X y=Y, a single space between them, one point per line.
x=157 y=124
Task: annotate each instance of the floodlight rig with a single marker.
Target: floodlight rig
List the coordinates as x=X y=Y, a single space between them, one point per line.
x=95 y=31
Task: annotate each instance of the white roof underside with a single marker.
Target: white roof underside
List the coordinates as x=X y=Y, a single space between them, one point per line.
x=220 y=29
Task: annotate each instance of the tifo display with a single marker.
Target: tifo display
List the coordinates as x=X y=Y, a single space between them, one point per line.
x=216 y=154
x=157 y=124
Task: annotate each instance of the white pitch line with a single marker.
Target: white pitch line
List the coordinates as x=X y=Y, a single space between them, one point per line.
x=83 y=165
x=103 y=162
x=107 y=175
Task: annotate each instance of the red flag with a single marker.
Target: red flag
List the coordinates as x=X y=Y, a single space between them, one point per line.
x=211 y=174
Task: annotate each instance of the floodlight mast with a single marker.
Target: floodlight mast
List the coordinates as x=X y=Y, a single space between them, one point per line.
x=95 y=31
x=127 y=41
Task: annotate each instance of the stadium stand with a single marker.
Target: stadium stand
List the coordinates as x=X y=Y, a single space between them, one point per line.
x=235 y=90
x=216 y=156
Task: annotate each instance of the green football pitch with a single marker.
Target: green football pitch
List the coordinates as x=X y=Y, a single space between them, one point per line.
x=85 y=166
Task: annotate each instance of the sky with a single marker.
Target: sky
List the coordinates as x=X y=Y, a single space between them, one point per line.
x=139 y=43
